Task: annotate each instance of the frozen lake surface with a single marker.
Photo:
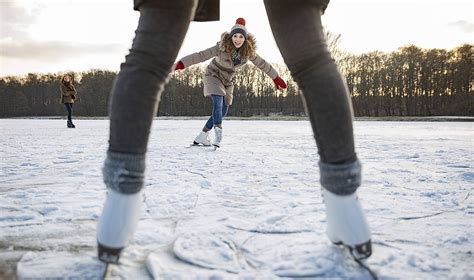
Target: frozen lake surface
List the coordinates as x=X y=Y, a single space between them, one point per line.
x=251 y=210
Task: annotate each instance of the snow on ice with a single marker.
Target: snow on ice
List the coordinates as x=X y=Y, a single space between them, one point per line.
x=250 y=210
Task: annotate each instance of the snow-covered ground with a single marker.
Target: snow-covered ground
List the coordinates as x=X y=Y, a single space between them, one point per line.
x=251 y=210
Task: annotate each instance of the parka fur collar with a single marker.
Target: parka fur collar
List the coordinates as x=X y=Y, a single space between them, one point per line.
x=247 y=51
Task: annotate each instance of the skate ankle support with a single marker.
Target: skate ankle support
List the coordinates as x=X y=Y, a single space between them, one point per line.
x=340 y=179
x=124 y=172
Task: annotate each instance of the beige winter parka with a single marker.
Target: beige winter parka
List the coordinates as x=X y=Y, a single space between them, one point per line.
x=220 y=71
x=68 y=91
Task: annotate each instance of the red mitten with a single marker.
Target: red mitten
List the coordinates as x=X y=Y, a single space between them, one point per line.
x=179 y=66
x=279 y=83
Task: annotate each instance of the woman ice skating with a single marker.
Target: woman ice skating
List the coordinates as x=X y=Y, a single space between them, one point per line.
x=233 y=50
x=299 y=34
x=68 y=95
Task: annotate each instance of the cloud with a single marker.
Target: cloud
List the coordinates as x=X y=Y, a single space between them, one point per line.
x=16 y=19
x=463 y=25
x=53 y=50
x=33 y=36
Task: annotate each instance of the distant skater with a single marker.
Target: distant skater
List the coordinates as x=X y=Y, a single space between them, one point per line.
x=68 y=95
x=235 y=49
x=299 y=34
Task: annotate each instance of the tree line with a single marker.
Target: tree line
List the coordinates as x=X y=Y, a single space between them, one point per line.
x=407 y=82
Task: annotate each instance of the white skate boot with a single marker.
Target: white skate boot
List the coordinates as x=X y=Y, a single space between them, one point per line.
x=117 y=224
x=203 y=139
x=346 y=224
x=218 y=138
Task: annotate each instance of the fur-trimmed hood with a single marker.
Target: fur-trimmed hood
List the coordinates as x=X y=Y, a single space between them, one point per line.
x=247 y=51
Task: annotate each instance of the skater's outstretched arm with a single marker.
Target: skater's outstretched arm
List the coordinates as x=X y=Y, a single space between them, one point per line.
x=263 y=65
x=269 y=70
x=197 y=57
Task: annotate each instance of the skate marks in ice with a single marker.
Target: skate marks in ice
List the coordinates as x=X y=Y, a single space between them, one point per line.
x=200 y=255
x=406 y=242
x=275 y=223
x=205 y=255
x=164 y=264
x=13 y=216
x=208 y=147
x=131 y=264
x=81 y=265
x=209 y=247
x=299 y=255
x=59 y=265
x=151 y=235
x=206 y=249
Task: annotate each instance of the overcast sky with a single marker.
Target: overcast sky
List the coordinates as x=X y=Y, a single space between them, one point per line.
x=61 y=35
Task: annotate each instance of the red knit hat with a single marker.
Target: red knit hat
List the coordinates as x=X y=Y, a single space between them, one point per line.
x=239 y=27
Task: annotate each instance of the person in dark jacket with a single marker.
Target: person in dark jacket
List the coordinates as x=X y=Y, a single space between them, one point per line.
x=68 y=96
x=235 y=49
x=298 y=31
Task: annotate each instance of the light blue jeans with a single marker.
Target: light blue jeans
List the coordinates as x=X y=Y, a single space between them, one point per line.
x=219 y=111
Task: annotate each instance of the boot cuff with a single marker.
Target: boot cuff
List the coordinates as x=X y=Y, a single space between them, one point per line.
x=124 y=172
x=341 y=179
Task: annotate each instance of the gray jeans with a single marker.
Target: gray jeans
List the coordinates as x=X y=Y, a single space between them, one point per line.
x=160 y=33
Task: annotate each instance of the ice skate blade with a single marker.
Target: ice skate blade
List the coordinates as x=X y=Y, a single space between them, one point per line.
x=198 y=144
x=360 y=251
x=108 y=255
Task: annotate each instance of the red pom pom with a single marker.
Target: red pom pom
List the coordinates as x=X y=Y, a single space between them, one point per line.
x=179 y=65
x=240 y=21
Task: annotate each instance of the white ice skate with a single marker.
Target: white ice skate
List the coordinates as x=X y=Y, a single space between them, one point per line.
x=203 y=139
x=346 y=224
x=218 y=137
x=117 y=224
